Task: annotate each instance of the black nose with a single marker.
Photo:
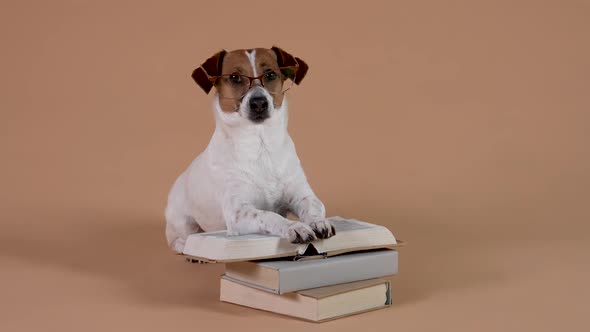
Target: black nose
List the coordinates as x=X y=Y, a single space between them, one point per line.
x=258 y=104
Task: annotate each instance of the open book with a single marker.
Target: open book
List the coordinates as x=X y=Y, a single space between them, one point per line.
x=351 y=235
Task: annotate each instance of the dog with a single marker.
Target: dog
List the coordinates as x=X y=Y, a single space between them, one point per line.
x=249 y=176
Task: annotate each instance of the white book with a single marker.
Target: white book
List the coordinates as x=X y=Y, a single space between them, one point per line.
x=318 y=304
x=351 y=235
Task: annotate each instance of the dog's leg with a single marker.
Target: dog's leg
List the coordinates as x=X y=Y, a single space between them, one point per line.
x=242 y=217
x=179 y=224
x=178 y=228
x=304 y=204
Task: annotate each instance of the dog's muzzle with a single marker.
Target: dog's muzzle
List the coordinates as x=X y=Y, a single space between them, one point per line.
x=258 y=109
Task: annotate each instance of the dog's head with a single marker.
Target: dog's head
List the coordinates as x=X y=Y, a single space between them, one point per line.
x=250 y=82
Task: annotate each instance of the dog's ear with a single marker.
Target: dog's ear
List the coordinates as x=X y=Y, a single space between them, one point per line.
x=211 y=67
x=285 y=60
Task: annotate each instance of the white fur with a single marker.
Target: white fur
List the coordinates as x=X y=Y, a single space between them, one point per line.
x=252 y=57
x=246 y=179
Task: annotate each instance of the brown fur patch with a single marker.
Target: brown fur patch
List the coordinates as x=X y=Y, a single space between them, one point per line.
x=238 y=62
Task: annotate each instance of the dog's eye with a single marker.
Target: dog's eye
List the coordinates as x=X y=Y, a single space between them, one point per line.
x=235 y=78
x=270 y=76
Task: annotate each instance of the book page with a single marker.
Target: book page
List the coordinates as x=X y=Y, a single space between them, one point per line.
x=354 y=234
x=346 y=225
x=341 y=225
x=350 y=234
x=223 y=234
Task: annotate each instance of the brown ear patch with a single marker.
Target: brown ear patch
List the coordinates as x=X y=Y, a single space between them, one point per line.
x=211 y=67
x=285 y=59
x=202 y=79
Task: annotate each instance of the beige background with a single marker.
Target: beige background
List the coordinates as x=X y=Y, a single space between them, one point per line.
x=463 y=126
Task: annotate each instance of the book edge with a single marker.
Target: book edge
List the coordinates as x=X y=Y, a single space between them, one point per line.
x=346 y=315
x=208 y=260
x=356 y=285
x=238 y=268
x=251 y=285
x=291 y=254
x=387 y=304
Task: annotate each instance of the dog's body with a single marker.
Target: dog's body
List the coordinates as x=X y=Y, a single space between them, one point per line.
x=249 y=176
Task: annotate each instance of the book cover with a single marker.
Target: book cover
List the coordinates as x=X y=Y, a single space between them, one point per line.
x=284 y=276
x=316 y=305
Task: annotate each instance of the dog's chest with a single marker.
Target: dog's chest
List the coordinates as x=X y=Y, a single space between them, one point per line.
x=266 y=167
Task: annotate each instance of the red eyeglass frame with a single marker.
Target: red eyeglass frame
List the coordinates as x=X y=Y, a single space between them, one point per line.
x=252 y=79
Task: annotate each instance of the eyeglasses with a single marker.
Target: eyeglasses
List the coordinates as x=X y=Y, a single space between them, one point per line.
x=235 y=86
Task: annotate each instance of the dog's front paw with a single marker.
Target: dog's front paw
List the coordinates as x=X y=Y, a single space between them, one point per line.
x=300 y=233
x=323 y=228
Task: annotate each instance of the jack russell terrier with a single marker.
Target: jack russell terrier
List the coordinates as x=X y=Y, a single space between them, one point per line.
x=249 y=176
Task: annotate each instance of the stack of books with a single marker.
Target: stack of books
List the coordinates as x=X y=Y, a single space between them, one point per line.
x=323 y=280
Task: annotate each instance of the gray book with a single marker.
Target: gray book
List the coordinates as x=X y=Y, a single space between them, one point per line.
x=284 y=276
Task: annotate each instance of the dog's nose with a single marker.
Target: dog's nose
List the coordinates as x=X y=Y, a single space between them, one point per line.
x=258 y=104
